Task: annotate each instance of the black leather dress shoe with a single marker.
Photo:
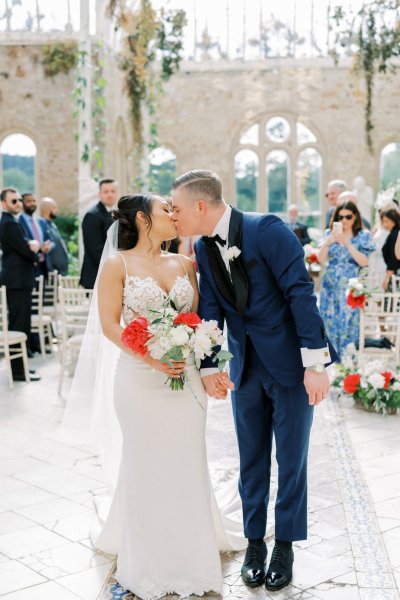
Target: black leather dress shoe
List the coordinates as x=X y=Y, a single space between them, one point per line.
x=22 y=377
x=280 y=572
x=253 y=568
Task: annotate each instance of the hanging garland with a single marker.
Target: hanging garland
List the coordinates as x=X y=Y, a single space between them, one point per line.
x=372 y=37
x=151 y=38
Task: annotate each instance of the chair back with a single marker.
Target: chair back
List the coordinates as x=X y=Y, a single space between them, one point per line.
x=381 y=318
x=68 y=281
x=3 y=314
x=395 y=281
x=37 y=296
x=51 y=289
x=75 y=304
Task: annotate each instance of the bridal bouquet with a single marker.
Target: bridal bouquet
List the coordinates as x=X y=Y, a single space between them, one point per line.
x=171 y=336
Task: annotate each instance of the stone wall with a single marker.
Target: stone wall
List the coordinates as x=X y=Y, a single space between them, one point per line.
x=203 y=111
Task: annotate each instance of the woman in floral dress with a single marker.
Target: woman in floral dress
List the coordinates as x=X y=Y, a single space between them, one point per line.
x=345 y=253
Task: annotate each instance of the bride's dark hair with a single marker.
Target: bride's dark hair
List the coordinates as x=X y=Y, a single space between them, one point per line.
x=128 y=207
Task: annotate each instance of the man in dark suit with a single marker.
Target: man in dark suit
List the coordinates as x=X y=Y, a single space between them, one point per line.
x=35 y=230
x=18 y=271
x=298 y=228
x=57 y=258
x=94 y=230
x=253 y=276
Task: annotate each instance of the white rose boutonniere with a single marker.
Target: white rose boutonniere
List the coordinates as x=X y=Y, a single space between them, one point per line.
x=231 y=253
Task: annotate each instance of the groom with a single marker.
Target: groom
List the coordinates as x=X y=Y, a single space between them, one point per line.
x=261 y=287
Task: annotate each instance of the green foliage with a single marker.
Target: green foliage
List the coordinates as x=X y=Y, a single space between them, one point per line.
x=161 y=177
x=372 y=36
x=59 y=57
x=19 y=179
x=68 y=226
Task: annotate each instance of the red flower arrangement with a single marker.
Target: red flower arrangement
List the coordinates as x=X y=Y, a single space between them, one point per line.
x=388 y=378
x=312 y=258
x=190 y=319
x=356 y=301
x=351 y=383
x=135 y=335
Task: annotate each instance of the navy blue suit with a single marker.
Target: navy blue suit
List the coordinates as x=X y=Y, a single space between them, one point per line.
x=271 y=312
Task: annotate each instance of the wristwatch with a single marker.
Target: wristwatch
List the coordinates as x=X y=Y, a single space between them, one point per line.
x=318 y=368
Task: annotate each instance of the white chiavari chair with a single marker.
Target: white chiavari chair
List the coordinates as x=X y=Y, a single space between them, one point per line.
x=12 y=343
x=381 y=318
x=40 y=322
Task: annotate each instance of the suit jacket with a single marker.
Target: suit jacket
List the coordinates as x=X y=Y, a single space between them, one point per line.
x=279 y=311
x=94 y=230
x=300 y=231
x=18 y=262
x=58 y=257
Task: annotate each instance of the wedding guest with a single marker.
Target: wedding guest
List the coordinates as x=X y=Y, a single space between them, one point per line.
x=294 y=225
x=57 y=258
x=397 y=247
x=334 y=189
x=34 y=229
x=17 y=272
x=391 y=222
x=347 y=246
x=94 y=230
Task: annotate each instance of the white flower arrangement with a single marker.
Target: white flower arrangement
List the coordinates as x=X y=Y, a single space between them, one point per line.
x=231 y=253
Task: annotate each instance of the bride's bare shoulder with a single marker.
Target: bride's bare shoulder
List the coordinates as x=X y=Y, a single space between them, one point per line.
x=114 y=265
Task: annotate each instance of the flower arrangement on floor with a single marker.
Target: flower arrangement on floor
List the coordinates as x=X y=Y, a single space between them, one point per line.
x=357 y=293
x=373 y=384
x=171 y=336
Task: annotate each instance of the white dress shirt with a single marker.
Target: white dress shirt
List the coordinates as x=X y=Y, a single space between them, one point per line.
x=309 y=356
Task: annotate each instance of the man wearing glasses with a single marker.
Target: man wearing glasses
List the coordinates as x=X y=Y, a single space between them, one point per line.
x=17 y=271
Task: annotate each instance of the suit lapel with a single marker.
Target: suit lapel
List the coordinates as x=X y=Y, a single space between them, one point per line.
x=219 y=272
x=239 y=277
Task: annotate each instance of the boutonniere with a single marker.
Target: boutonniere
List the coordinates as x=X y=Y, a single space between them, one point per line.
x=231 y=253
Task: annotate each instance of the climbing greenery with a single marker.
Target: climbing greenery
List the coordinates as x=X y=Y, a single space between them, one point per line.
x=60 y=57
x=151 y=54
x=372 y=37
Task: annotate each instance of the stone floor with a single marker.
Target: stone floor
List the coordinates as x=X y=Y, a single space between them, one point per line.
x=47 y=492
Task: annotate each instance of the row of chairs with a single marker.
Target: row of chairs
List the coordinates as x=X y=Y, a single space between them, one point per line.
x=61 y=307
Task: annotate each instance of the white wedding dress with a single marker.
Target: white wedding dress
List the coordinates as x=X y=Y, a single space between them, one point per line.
x=164 y=523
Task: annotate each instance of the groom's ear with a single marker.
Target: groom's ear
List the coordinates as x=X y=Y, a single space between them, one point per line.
x=201 y=206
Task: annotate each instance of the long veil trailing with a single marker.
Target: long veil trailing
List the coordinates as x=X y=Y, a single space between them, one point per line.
x=89 y=418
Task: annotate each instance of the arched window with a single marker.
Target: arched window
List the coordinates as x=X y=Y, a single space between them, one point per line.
x=390 y=165
x=290 y=151
x=162 y=170
x=246 y=174
x=18 y=162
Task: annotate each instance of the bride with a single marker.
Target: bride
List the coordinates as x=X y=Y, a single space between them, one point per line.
x=164 y=523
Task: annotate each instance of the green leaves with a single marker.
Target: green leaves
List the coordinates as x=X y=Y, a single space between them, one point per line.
x=222 y=357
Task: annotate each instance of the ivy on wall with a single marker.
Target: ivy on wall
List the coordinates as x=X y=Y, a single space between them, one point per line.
x=151 y=54
x=372 y=37
x=59 y=57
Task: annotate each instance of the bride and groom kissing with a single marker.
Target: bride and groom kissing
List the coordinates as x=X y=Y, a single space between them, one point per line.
x=164 y=523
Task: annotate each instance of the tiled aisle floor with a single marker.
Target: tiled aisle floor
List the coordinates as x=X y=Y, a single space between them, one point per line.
x=47 y=510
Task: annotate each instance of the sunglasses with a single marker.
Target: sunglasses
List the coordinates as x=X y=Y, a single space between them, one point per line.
x=15 y=200
x=348 y=217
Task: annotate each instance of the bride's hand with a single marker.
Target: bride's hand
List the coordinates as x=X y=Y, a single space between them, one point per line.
x=172 y=371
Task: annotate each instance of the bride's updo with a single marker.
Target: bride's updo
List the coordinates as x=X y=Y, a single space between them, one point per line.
x=128 y=207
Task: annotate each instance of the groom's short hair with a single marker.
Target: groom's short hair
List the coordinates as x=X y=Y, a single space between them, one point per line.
x=201 y=183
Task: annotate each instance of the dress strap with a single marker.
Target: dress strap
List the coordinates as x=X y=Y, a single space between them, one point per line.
x=183 y=264
x=124 y=261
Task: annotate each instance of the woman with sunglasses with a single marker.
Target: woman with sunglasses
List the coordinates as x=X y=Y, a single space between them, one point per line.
x=345 y=248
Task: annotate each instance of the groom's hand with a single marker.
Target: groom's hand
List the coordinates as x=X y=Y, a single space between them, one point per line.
x=217 y=385
x=317 y=386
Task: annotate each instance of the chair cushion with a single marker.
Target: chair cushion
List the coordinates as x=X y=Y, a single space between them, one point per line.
x=35 y=320
x=75 y=340
x=14 y=337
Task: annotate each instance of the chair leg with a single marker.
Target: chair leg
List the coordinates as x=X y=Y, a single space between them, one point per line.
x=42 y=340
x=9 y=369
x=49 y=334
x=62 y=368
x=25 y=361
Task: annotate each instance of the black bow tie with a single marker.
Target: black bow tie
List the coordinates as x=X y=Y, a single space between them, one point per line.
x=216 y=238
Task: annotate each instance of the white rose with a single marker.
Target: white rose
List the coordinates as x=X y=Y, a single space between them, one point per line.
x=155 y=350
x=353 y=281
x=376 y=380
x=396 y=386
x=308 y=250
x=179 y=336
x=359 y=286
x=232 y=253
x=202 y=345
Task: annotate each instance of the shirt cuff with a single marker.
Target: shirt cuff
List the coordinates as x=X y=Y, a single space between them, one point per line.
x=208 y=371
x=315 y=356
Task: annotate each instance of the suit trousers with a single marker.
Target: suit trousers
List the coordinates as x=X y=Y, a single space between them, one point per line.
x=264 y=409
x=19 y=319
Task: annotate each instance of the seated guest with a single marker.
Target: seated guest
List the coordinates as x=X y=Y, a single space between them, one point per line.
x=36 y=230
x=391 y=222
x=298 y=228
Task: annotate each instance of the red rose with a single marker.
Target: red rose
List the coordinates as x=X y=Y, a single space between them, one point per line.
x=135 y=335
x=313 y=258
x=351 y=383
x=356 y=301
x=190 y=319
x=388 y=378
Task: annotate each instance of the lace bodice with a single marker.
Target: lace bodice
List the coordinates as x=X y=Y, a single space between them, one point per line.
x=140 y=295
